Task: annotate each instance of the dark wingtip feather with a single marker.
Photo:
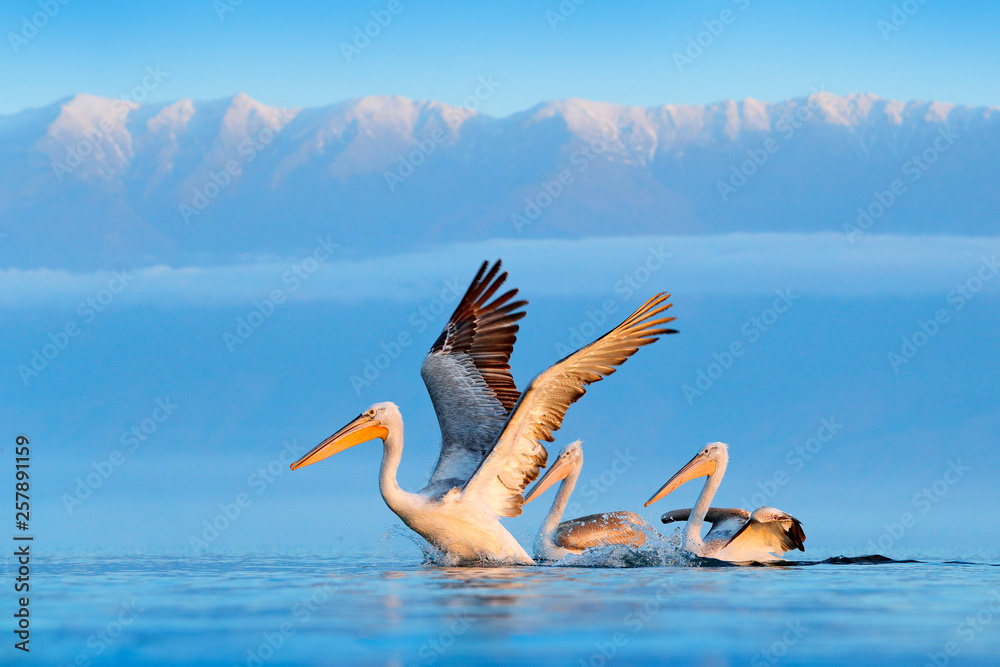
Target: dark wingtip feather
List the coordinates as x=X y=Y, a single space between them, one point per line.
x=486 y=331
x=798 y=535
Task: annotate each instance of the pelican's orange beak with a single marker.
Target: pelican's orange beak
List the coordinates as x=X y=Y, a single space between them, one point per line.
x=559 y=470
x=699 y=466
x=362 y=429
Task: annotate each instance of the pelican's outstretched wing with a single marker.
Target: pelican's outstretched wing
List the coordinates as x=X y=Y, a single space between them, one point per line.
x=778 y=530
x=467 y=373
x=518 y=453
x=598 y=530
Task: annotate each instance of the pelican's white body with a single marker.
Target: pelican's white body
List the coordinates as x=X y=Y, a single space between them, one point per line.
x=457 y=524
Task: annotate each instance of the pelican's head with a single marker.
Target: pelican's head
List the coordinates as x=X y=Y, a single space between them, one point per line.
x=370 y=424
x=703 y=464
x=569 y=459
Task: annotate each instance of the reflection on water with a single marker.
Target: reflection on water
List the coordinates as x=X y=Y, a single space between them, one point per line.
x=267 y=610
x=486 y=588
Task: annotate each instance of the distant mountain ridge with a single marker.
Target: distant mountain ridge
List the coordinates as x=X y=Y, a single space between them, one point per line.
x=96 y=182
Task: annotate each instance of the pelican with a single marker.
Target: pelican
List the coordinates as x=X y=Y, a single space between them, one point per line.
x=556 y=539
x=736 y=535
x=490 y=433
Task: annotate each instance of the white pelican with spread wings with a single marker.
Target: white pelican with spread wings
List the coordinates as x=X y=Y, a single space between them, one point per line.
x=490 y=433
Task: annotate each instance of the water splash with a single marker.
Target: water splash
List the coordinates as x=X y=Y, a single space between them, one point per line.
x=658 y=551
x=430 y=554
x=395 y=530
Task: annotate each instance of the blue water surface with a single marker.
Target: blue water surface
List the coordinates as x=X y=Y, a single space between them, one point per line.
x=245 y=609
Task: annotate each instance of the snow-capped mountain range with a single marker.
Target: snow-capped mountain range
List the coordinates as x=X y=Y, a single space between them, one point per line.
x=95 y=182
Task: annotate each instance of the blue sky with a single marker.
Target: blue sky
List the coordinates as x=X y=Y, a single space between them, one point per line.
x=618 y=52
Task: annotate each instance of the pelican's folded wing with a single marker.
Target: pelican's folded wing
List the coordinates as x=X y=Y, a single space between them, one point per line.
x=518 y=454
x=467 y=373
x=778 y=530
x=598 y=530
x=715 y=515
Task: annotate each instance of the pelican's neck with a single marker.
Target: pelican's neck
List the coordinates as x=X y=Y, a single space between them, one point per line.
x=559 y=504
x=692 y=534
x=392 y=454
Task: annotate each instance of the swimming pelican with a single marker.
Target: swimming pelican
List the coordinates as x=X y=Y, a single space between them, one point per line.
x=736 y=535
x=490 y=434
x=556 y=539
